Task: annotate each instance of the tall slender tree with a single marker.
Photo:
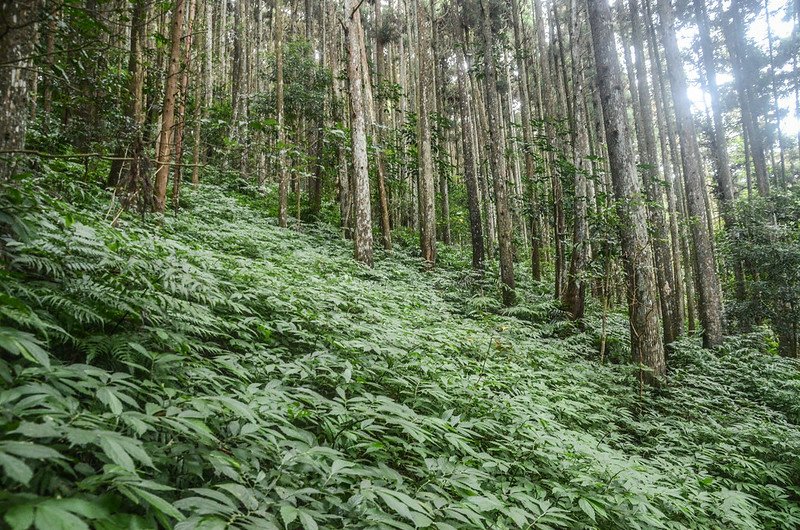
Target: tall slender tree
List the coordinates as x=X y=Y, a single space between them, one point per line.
x=362 y=236
x=165 y=143
x=646 y=346
x=18 y=32
x=671 y=318
x=734 y=38
x=708 y=286
x=283 y=176
x=383 y=196
x=183 y=96
x=427 y=207
x=498 y=161
x=470 y=177
x=575 y=294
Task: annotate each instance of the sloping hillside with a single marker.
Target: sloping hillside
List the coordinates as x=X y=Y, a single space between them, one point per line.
x=214 y=371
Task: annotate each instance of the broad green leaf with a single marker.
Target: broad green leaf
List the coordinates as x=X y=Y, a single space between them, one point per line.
x=288 y=514
x=107 y=397
x=587 y=508
x=307 y=521
x=30 y=450
x=20 y=343
x=339 y=465
x=116 y=453
x=16 y=468
x=54 y=518
x=20 y=516
x=158 y=503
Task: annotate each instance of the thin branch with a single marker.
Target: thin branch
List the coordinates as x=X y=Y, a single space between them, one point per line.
x=355 y=9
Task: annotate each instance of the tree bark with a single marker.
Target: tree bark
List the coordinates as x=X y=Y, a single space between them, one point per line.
x=18 y=29
x=672 y=320
x=682 y=262
x=358 y=134
x=165 y=146
x=283 y=177
x=734 y=38
x=183 y=95
x=470 y=178
x=720 y=143
x=646 y=346
x=710 y=306
x=240 y=86
x=775 y=105
x=504 y=228
x=383 y=197
x=574 y=297
x=427 y=195
x=527 y=137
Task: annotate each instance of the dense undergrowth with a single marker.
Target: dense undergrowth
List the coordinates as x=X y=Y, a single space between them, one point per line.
x=214 y=371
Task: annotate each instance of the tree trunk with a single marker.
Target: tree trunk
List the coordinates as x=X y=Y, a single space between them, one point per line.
x=315 y=200
x=470 y=178
x=504 y=228
x=50 y=48
x=672 y=320
x=527 y=137
x=646 y=346
x=775 y=105
x=18 y=21
x=240 y=86
x=574 y=297
x=556 y=107
x=183 y=95
x=734 y=38
x=427 y=195
x=481 y=130
x=710 y=307
x=283 y=177
x=358 y=133
x=204 y=89
x=720 y=142
x=138 y=182
x=165 y=145
x=383 y=197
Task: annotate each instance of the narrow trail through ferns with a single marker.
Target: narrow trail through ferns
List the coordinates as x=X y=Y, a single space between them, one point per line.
x=214 y=371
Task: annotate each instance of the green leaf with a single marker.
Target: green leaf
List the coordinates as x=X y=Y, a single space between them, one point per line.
x=50 y=517
x=519 y=516
x=116 y=453
x=307 y=521
x=339 y=465
x=20 y=343
x=20 y=517
x=401 y=506
x=587 y=508
x=158 y=503
x=82 y=507
x=288 y=514
x=16 y=468
x=36 y=430
x=30 y=450
x=484 y=504
x=108 y=398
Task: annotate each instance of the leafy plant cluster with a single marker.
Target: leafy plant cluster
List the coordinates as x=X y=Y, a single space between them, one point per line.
x=765 y=245
x=214 y=371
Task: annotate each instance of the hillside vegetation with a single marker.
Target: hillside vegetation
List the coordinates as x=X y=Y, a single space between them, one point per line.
x=212 y=370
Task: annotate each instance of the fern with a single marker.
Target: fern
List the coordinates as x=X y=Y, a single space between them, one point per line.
x=214 y=371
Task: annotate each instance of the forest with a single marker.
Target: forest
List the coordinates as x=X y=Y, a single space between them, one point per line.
x=398 y=264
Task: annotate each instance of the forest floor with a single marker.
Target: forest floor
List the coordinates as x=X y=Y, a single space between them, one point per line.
x=211 y=370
